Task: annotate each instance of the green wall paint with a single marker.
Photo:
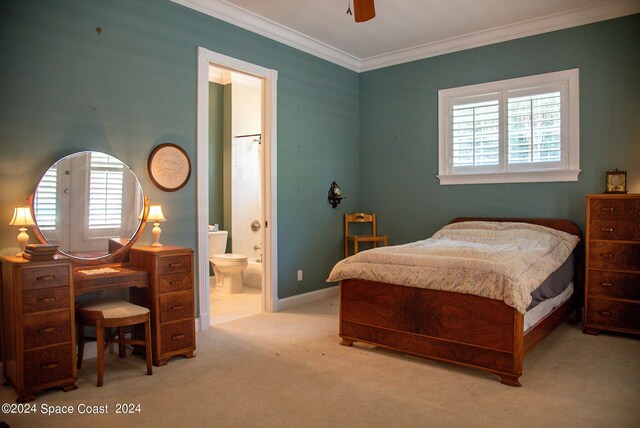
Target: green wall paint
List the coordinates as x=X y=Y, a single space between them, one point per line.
x=67 y=88
x=399 y=128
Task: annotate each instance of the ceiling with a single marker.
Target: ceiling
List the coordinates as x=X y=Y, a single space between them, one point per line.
x=405 y=30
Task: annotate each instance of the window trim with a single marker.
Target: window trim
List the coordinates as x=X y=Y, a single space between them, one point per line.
x=570 y=162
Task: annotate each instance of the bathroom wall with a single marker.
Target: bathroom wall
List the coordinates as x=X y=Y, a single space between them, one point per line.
x=216 y=117
x=245 y=160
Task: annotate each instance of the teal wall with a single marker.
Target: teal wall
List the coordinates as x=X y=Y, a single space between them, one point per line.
x=67 y=88
x=399 y=128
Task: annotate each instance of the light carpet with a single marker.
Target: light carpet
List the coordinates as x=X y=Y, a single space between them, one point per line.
x=287 y=369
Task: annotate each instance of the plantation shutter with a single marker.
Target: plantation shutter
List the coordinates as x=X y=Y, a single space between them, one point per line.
x=534 y=128
x=45 y=201
x=476 y=133
x=105 y=191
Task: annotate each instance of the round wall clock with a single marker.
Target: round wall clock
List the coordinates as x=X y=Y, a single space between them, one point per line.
x=169 y=167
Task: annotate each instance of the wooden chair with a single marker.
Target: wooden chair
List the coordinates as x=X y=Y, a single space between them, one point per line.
x=356 y=239
x=112 y=313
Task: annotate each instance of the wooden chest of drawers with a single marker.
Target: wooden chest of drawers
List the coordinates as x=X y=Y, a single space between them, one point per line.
x=38 y=335
x=170 y=297
x=612 y=289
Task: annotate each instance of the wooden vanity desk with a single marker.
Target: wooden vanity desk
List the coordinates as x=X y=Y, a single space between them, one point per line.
x=37 y=321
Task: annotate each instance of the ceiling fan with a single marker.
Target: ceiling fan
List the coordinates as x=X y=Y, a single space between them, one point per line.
x=364 y=10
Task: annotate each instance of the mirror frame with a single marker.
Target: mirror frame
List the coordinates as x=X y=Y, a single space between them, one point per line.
x=119 y=256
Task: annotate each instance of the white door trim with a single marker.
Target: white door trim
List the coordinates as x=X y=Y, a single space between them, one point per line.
x=269 y=179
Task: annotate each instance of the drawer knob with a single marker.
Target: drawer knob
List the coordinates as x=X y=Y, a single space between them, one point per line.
x=47 y=330
x=177 y=337
x=605 y=313
x=175 y=265
x=607 y=229
x=606 y=284
x=174 y=282
x=606 y=256
x=46 y=300
x=46 y=278
x=49 y=366
x=177 y=308
x=608 y=209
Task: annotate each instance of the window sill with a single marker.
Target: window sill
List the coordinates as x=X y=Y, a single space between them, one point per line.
x=515 y=177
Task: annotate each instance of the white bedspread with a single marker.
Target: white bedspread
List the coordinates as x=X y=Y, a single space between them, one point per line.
x=504 y=261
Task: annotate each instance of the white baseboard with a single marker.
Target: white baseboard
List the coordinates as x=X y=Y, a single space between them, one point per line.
x=303 y=299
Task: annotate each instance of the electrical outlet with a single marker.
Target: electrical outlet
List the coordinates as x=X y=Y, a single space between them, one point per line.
x=299 y=275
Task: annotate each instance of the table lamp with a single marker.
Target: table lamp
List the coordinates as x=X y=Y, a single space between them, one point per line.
x=22 y=217
x=156 y=216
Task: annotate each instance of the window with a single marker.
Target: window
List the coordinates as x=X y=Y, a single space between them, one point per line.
x=511 y=131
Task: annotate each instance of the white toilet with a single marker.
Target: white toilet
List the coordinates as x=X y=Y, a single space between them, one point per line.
x=227 y=267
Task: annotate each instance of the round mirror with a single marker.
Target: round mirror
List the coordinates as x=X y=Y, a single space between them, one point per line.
x=90 y=204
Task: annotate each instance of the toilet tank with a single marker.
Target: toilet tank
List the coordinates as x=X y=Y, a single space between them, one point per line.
x=217 y=242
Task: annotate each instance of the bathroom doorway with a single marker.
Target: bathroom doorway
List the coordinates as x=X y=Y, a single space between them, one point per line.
x=236 y=182
x=235 y=196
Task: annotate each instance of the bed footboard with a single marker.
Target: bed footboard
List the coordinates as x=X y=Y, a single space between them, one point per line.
x=459 y=328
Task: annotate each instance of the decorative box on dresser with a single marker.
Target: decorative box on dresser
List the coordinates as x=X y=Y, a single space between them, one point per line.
x=38 y=336
x=170 y=297
x=612 y=292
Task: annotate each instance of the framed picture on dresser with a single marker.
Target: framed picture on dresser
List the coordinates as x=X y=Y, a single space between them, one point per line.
x=616 y=182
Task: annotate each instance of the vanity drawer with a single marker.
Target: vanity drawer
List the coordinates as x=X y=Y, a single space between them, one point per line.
x=46 y=329
x=610 y=209
x=176 y=306
x=45 y=299
x=615 y=314
x=177 y=336
x=45 y=277
x=175 y=282
x=613 y=255
x=615 y=230
x=614 y=285
x=46 y=365
x=174 y=264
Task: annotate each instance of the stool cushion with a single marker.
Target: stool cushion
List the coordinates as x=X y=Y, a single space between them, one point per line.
x=112 y=308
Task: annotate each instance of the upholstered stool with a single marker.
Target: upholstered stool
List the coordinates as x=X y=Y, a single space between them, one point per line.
x=112 y=313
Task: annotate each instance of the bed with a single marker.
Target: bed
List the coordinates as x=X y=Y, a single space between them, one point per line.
x=473 y=330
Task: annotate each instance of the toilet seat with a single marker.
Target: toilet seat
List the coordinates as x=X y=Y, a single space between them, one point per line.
x=229 y=258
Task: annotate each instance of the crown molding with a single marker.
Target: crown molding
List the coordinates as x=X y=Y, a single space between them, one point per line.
x=250 y=21
x=560 y=21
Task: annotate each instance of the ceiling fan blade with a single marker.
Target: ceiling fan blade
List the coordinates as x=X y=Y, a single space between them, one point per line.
x=364 y=10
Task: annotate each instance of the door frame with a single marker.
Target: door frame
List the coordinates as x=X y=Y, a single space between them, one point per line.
x=268 y=182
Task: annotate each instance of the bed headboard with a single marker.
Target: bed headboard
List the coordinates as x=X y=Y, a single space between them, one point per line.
x=553 y=223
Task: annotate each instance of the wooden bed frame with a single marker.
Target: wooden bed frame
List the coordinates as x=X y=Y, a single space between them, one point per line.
x=464 y=329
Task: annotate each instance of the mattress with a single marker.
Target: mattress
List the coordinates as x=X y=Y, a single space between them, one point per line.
x=555 y=283
x=542 y=309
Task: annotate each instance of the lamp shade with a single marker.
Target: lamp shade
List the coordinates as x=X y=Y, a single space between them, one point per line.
x=22 y=217
x=155 y=214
